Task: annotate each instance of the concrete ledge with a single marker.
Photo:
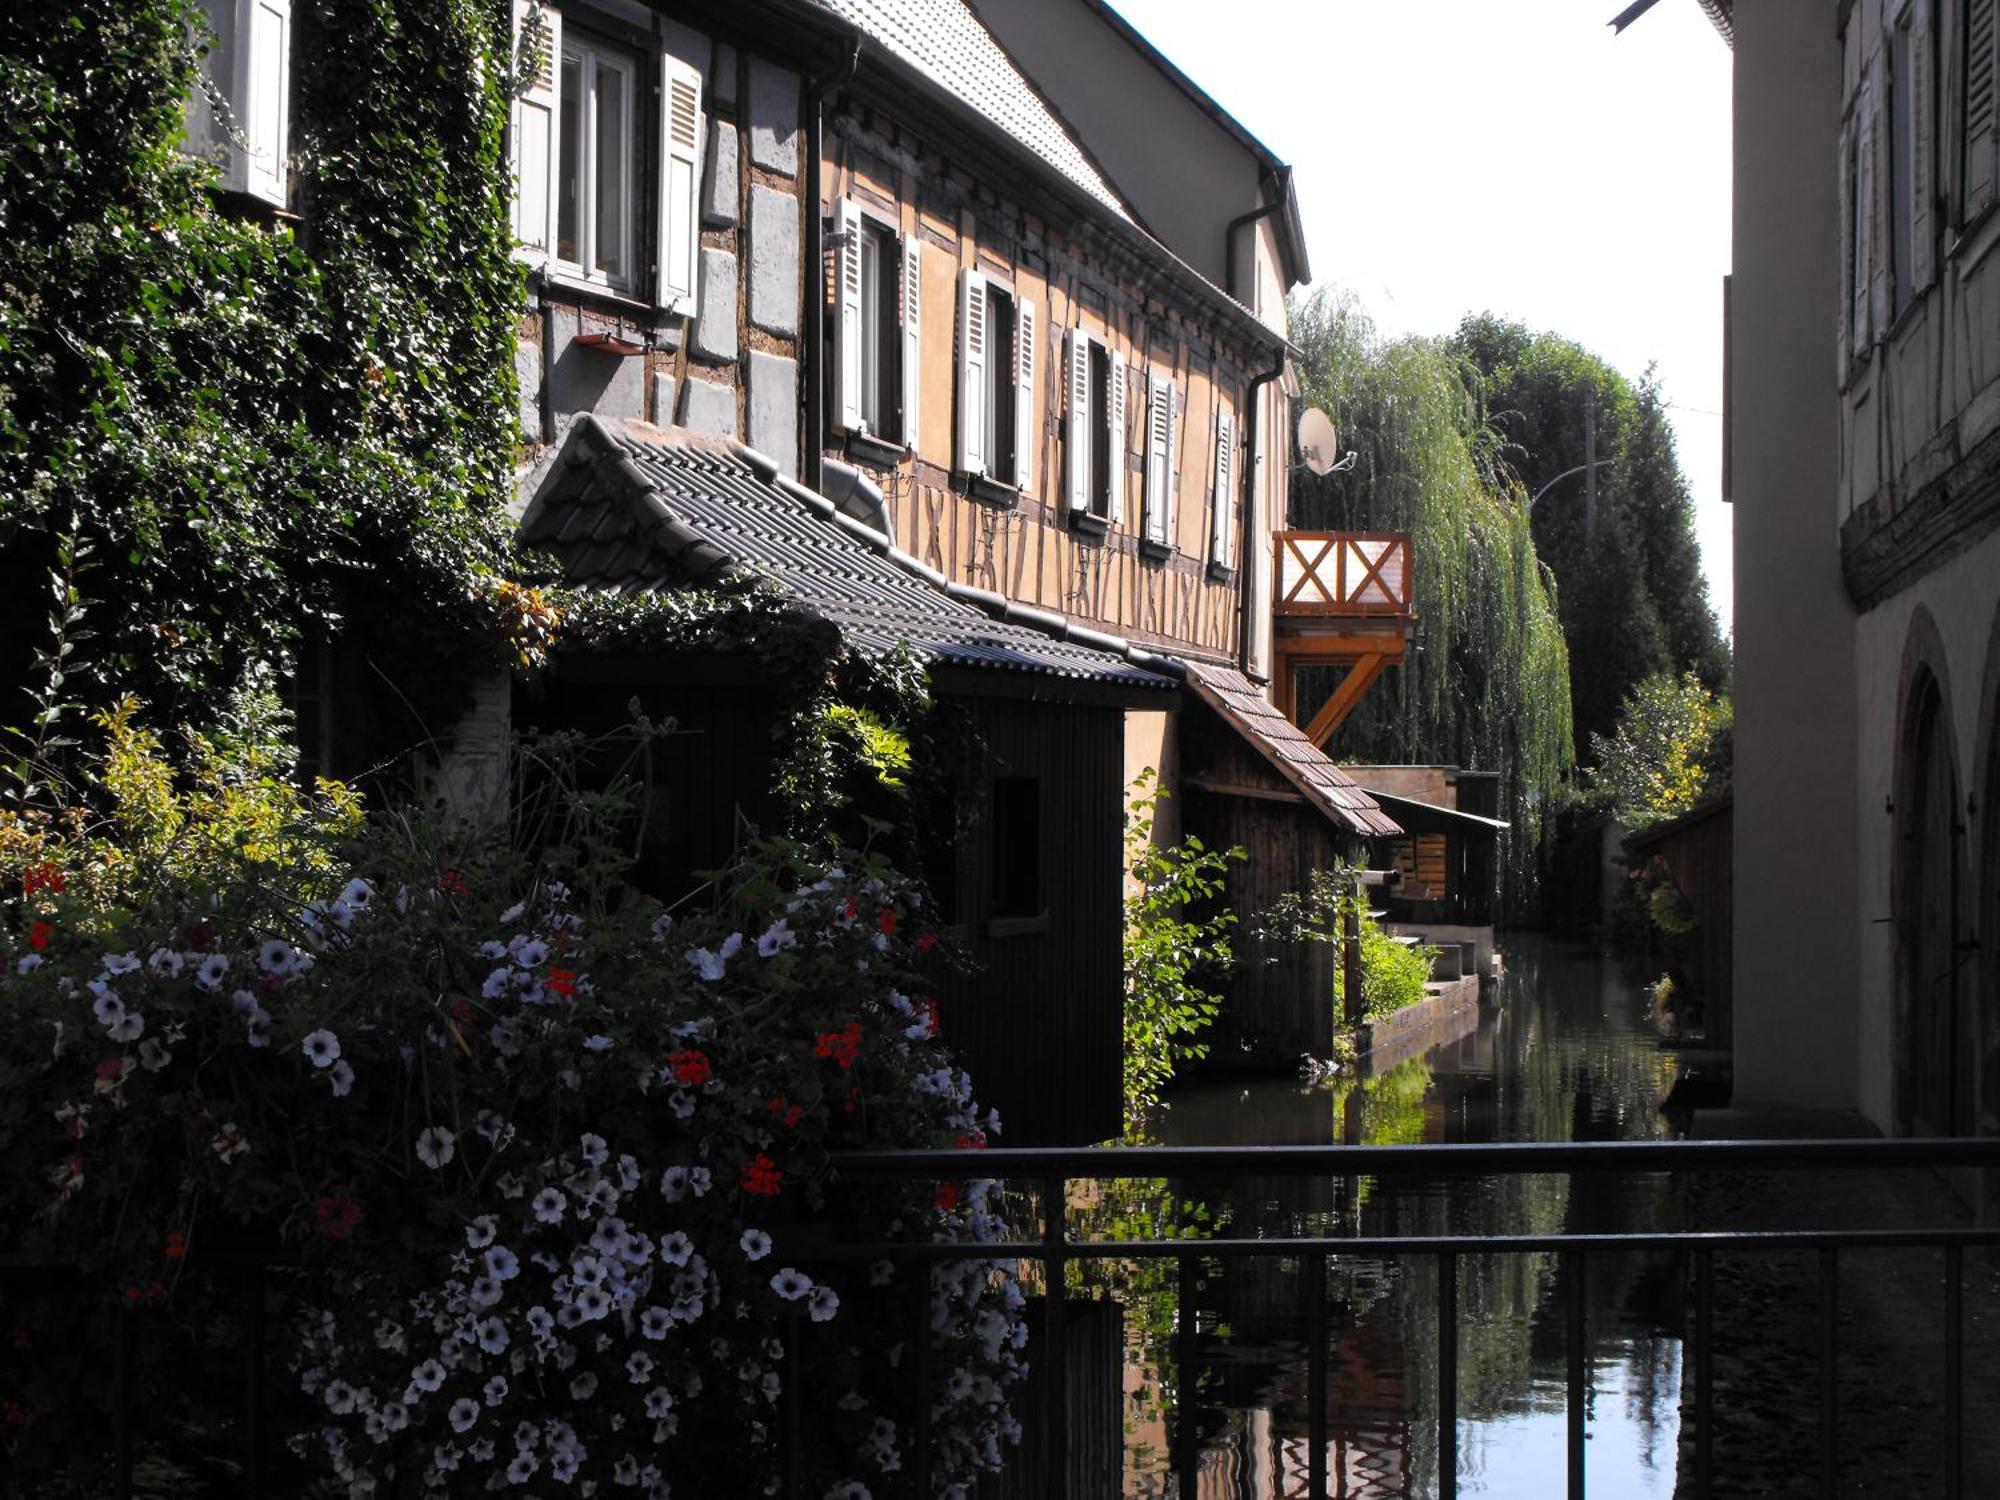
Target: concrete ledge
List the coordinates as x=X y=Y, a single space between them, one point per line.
x=1448 y=1011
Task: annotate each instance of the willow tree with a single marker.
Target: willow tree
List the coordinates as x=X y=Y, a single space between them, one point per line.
x=1487 y=683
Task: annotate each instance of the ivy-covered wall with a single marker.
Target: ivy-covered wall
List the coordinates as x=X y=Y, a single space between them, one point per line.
x=223 y=432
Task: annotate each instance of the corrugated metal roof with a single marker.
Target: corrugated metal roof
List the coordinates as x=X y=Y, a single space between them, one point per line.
x=1290 y=753
x=637 y=509
x=949 y=45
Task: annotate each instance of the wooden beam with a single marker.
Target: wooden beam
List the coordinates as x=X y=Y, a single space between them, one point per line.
x=1341 y=704
x=1238 y=789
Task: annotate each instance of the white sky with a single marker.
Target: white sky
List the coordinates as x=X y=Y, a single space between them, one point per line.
x=1457 y=156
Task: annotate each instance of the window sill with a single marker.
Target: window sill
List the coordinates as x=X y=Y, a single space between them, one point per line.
x=1153 y=551
x=1013 y=927
x=992 y=492
x=1221 y=573
x=1092 y=528
x=876 y=452
x=649 y=315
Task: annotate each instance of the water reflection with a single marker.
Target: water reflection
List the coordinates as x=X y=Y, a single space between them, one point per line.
x=1565 y=1054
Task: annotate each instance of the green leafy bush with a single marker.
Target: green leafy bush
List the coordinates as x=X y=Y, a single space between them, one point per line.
x=1393 y=973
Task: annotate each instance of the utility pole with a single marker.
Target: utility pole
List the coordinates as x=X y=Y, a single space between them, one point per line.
x=1590 y=470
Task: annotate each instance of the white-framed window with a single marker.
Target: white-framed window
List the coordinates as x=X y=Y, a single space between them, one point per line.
x=878 y=296
x=996 y=381
x=240 y=116
x=1162 y=454
x=1222 y=536
x=1979 y=106
x=599 y=132
x=1912 y=155
x=1094 y=444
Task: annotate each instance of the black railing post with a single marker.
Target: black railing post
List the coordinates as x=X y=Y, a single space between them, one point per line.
x=795 y=1435
x=1055 y=1358
x=1447 y=1334
x=1829 y=1353
x=253 y=1393
x=1578 y=1370
x=1704 y=1373
x=121 y=1403
x=1187 y=1440
x=1954 y=1372
x=1312 y=1274
x=920 y=1375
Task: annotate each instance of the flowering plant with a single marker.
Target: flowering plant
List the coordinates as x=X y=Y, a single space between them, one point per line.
x=546 y=1163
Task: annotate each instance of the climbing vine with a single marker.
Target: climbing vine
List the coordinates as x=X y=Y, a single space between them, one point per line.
x=1488 y=687
x=256 y=429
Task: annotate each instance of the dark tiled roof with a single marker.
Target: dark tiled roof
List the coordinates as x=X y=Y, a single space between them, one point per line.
x=1290 y=753
x=946 y=42
x=636 y=509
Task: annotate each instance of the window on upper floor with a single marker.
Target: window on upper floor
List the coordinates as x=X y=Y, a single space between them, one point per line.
x=1222 y=534
x=996 y=382
x=1094 y=429
x=878 y=301
x=1162 y=460
x=1912 y=137
x=606 y=152
x=1979 y=106
x=240 y=116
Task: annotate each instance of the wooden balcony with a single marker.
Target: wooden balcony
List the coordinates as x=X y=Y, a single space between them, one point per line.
x=1339 y=599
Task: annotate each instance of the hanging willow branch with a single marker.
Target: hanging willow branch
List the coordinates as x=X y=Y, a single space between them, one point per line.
x=1487 y=683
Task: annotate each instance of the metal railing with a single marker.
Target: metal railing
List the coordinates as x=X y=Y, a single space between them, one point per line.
x=1054 y=1170
x=1341 y=573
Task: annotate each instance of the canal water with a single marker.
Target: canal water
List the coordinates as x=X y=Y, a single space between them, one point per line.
x=1564 y=1052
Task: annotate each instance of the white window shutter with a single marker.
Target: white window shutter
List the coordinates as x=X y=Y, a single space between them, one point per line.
x=1076 y=426
x=1881 y=268
x=1923 y=151
x=1848 y=302
x=912 y=318
x=680 y=181
x=1982 y=102
x=532 y=127
x=847 y=330
x=1159 y=442
x=974 y=370
x=1027 y=411
x=1864 y=222
x=1222 y=544
x=264 y=100
x=1173 y=494
x=1114 y=419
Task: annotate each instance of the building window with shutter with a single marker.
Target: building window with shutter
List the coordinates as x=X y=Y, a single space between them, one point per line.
x=997 y=406
x=1912 y=152
x=1094 y=431
x=239 y=117
x=878 y=300
x=1222 y=538
x=592 y=141
x=1979 y=107
x=1162 y=445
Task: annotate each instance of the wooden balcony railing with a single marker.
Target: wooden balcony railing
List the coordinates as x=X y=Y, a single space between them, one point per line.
x=1341 y=573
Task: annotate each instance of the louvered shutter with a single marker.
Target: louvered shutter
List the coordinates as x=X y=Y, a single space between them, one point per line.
x=1027 y=414
x=974 y=370
x=1982 y=103
x=1076 y=422
x=1881 y=261
x=1844 y=313
x=1159 y=438
x=1864 y=221
x=912 y=283
x=847 y=331
x=1114 y=419
x=1222 y=545
x=1173 y=495
x=265 y=98
x=532 y=128
x=1923 y=151
x=680 y=181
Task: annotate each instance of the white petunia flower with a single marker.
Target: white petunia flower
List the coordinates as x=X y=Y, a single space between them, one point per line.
x=166 y=963
x=775 y=939
x=341 y=1079
x=756 y=1244
x=29 y=963
x=357 y=893
x=428 y=1376
x=492 y=1336
x=120 y=963
x=549 y=1205
x=711 y=966
x=480 y=1232
x=502 y=1264
x=824 y=1303
x=277 y=956
x=153 y=1056
x=211 y=971
x=594 y=1148
x=531 y=954
x=127 y=1028
x=322 y=1048
x=436 y=1146
x=597 y=1044
x=791 y=1284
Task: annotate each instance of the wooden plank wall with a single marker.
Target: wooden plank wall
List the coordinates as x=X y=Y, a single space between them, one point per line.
x=1038 y=1024
x=1031 y=552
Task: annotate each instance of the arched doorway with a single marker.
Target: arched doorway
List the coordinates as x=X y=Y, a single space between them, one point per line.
x=1940 y=1046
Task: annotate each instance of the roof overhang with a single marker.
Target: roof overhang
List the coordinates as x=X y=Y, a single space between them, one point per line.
x=1429 y=817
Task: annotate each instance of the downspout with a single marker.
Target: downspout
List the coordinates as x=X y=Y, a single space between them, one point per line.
x=1242 y=221
x=1247 y=559
x=813 y=386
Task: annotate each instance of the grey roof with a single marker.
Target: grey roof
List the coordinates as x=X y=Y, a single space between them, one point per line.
x=639 y=509
x=945 y=41
x=1284 y=745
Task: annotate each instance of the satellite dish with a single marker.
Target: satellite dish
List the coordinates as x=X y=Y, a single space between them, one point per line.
x=1318 y=441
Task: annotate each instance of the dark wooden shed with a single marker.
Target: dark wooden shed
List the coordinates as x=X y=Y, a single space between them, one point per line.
x=1698 y=849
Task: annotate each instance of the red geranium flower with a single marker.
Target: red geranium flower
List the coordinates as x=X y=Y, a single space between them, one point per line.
x=886 y=920
x=947 y=1196
x=39 y=934
x=691 y=1067
x=336 y=1215
x=786 y=1113
x=44 y=877
x=927 y=942
x=562 y=981
x=762 y=1177
x=843 y=1046
x=177 y=1245
x=452 y=883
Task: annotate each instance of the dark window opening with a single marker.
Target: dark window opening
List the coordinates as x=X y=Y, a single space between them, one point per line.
x=881 y=341
x=1016 y=836
x=1100 y=431
x=999 y=413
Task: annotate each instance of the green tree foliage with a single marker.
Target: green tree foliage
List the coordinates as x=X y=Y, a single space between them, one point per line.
x=1667 y=752
x=1633 y=598
x=251 y=429
x=1168 y=952
x=1488 y=685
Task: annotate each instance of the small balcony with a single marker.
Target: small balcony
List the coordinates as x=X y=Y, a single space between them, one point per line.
x=1339 y=599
